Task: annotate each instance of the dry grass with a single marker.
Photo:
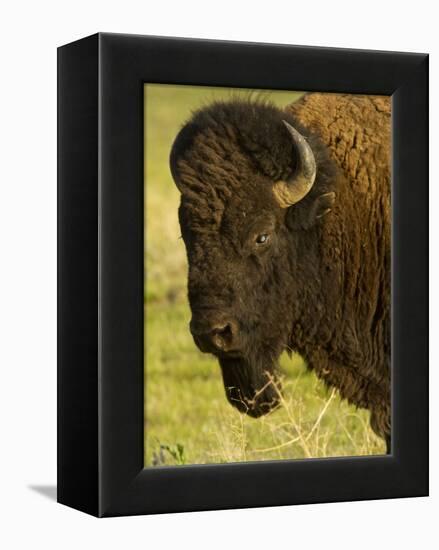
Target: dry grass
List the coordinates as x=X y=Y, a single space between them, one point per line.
x=302 y=435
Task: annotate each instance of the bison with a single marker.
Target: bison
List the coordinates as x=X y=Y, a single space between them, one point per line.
x=285 y=215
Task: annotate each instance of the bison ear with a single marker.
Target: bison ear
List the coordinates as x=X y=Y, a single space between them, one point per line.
x=309 y=216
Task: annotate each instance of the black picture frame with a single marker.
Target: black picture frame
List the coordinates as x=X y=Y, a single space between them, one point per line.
x=100 y=267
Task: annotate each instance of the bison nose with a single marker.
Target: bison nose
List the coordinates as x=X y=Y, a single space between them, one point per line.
x=214 y=335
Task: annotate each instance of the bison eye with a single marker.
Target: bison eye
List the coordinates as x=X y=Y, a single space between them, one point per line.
x=262 y=239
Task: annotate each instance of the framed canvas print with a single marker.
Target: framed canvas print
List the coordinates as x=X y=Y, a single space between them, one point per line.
x=243 y=294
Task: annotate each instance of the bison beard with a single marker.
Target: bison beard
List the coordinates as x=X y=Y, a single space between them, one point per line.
x=250 y=388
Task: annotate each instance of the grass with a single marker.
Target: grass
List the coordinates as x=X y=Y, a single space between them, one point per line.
x=187 y=417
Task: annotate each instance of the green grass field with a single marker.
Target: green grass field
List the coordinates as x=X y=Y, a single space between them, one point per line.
x=187 y=417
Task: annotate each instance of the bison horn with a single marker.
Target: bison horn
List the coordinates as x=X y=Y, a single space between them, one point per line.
x=292 y=191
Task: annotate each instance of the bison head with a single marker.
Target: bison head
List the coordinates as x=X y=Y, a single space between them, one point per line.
x=241 y=168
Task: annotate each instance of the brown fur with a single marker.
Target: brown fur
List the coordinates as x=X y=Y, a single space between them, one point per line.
x=356 y=129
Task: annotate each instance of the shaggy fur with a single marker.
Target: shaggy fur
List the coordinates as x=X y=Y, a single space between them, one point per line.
x=320 y=285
